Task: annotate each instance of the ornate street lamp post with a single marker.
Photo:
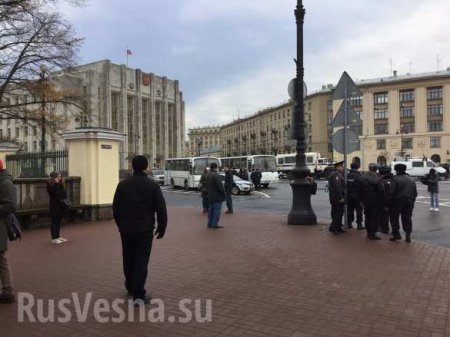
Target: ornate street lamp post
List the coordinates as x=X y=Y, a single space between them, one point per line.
x=301 y=212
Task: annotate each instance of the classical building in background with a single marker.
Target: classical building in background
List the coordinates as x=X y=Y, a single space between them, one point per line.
x=147 y=108
x=204 y=141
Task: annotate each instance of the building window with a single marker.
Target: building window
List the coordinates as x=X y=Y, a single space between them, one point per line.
x=381 y=129
x=34 y=145
x=381 y=114
x=17 y=133
x=381 y=144
x=53 y=144
x=356 y=101
x=34 y=131
x=407 y=143
x=435 y=142
x=434 y=93
x=25 y=131
x=434 y=109
x=407 y=95
x=434 y=126
x=8 y=133
x=114 y=111
x=380 y=97
x=406 y=111
x=408 y=127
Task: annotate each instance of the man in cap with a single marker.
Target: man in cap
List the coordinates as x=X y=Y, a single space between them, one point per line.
x=336 y=188
x=371 y=195
x=403 y=194
x=354 y=200
x=386 y=180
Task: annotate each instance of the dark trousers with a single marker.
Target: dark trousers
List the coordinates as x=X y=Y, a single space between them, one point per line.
x=229 y=201
x=403 y=208
x=354 y=205
x=136 y=249
x=337 y=212
x=384 y=220
x=205 y=203
x=372 y=215
x=55 y=227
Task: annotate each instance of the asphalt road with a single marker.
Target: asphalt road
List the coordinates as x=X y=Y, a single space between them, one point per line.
x=428 y=226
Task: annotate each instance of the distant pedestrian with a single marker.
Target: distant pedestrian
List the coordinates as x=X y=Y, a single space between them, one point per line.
x=57 y=194
x=253 y=177
x=216 y=196
x=386 y=181
x=136 y=201
x=354 y=204
x=204 y=190
x=403 y=194
x=7 y=206
x=243 y=174
x=432 y=180
x=229 y=183
x=336 y=190
x=371 y=196
x=258 y=177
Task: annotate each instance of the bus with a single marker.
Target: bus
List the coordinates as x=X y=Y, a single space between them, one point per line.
x=267 y=164
x=186 y=172
x=315 y=163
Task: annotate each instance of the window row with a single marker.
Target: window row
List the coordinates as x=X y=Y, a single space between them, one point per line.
x=407 y=143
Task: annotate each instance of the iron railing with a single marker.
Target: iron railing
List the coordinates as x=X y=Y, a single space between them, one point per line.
x=37 y=164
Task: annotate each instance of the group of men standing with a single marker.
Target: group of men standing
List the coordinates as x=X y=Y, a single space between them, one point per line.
x=383 y=197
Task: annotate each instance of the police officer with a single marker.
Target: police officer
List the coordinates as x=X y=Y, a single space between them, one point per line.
x=336 y=188
x=386 y=180
x=353 y=197
x=371 y=195
x=403 y=193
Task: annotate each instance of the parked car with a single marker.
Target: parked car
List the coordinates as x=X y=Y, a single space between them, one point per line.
x=239 y=185
x=418 y=167
x=158 y=176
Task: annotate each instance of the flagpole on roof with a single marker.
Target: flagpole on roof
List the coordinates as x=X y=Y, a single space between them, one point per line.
x=127 y=55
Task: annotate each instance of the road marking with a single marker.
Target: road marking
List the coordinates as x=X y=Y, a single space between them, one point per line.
x=263 y=194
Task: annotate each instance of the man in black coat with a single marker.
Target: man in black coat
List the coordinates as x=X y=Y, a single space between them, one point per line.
x=403 y=193
x=229 y=182
x=136 y=201
x=336 y=189
x=371 y=195
x=386 y=180
x=353 y=197
x=216 y=196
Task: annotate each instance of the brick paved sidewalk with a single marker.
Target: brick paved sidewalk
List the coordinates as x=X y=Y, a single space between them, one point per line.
x=265 y=279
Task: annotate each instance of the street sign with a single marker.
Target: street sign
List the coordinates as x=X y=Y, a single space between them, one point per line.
x=351 y=140
x=291 y=89
x=346 y=88
x=352 y=117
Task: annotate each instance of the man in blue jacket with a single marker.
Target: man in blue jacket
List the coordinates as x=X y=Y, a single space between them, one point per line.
x=136 y=201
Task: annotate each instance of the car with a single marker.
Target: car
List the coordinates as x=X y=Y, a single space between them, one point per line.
x=158 y=176
x=239 y=185
x=418 y=167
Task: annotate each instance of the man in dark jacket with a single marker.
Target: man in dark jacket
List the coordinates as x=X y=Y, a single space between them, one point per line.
x=432 y=180
x=216 y=196
x=371 y=195
x=403 y=193
x=336 y=189
x=136 y=201
x=7 y=206
x=353 y=197
x=386 y=180
x=229 y=182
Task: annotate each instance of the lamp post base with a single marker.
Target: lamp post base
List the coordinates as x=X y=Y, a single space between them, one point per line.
x=301 y=212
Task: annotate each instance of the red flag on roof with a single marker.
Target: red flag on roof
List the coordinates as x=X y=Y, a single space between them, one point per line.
x=129 y=52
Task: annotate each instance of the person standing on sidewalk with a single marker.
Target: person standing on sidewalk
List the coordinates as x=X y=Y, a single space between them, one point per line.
x=216 y=196
x=229 y=182
x=354 y=200
x=386 y=181
x=57 y=193
x=7 y=206
x=432 y=180
x=371 y=195
x=204 y=190
x=403 y=193
x=336 y=190
x=136 y=201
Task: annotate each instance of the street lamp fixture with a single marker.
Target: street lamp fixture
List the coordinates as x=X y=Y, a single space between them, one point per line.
x=301 y=212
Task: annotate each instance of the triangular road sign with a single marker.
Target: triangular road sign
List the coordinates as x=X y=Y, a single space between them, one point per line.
x=352 y=117
x=346 y=85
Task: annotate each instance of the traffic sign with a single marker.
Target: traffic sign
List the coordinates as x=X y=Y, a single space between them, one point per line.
x=346 y=88
x=292 y=87
x=352 y=117
x=351 y=141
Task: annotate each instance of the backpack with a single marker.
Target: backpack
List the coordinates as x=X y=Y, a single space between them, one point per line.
x=14 y=228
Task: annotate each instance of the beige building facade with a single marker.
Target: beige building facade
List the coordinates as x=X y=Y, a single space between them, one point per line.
x=204 y=141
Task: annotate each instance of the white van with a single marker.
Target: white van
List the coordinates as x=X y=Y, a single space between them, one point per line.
x=418 y=167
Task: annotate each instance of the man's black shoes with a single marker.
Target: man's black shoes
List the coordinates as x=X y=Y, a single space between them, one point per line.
x=373 y=237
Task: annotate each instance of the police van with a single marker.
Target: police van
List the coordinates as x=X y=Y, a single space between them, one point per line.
x=418 y=167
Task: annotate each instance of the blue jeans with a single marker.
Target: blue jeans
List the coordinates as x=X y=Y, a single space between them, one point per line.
x=434 y=199
x=229 y=202
x=215 y=208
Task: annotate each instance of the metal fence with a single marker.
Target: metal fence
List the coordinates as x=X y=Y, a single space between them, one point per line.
x=37 y=164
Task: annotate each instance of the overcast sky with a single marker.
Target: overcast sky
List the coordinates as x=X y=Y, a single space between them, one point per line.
x=235 y=57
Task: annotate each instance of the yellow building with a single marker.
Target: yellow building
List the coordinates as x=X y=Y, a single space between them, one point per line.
x=203 y=141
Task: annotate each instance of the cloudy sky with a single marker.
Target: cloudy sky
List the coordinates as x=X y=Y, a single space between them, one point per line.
x=235 y=57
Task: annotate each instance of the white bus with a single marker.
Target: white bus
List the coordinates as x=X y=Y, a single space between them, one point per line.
x=316 y=164
x=186 y=172
x=267 y=165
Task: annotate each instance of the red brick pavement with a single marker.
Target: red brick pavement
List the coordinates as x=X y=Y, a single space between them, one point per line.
x=265 y=279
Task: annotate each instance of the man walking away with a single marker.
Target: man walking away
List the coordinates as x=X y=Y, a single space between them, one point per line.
x=354 y=200
x=229 y=182
x=403 y=195
x=136 y=201
x=216 y=196
x=386 y=181
x=204 y=190
x=336 y=189
x=432 y=180
x=7 y=206
x=371 y=195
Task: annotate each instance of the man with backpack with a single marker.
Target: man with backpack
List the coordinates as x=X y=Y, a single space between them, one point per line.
x=371 y=196
x=353 y=197
x=7 y=207
x=386 y=180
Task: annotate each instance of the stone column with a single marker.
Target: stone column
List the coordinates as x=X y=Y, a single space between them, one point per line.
x=94 y=156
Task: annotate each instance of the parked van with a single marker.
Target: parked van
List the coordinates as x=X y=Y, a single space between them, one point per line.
x=418 y=167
